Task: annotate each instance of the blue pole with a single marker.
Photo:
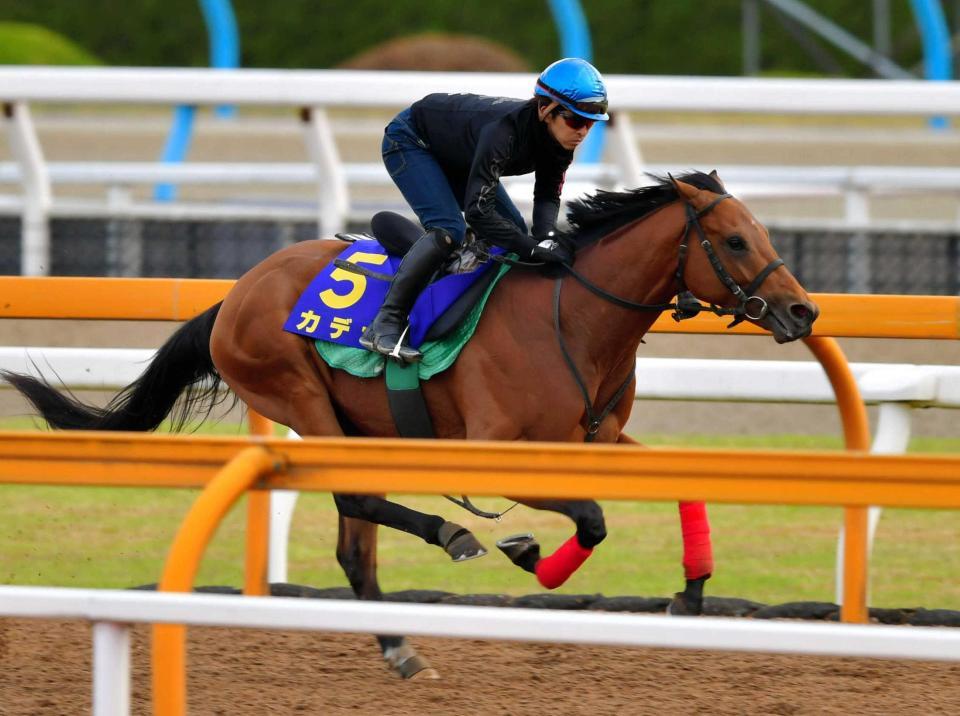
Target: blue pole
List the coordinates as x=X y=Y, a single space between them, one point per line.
x=575 y=42
x=224 y=40
x=224 y=53
x=936 y=45
x=174 y=151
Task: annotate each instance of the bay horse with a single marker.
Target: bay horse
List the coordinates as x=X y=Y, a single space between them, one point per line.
x=542 y=365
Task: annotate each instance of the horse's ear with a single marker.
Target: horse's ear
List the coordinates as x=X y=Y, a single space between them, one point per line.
x=687 y=192
x=716 y=177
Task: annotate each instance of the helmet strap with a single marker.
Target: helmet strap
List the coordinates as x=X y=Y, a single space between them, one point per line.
x=545 y=111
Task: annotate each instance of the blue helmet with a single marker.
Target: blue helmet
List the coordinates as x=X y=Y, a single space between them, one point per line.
x=577 y=85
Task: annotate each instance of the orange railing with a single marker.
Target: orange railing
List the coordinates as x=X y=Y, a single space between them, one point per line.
x=842 y=316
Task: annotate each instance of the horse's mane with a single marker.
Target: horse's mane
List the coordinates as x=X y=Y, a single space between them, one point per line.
x=597 y=215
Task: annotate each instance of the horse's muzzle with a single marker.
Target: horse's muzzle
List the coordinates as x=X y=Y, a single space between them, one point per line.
x=791 y=321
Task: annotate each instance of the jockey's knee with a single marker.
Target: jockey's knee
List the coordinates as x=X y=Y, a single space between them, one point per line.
x=591 y=527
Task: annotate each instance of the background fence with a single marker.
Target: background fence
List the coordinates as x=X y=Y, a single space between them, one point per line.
x=89 y=217
x=888 y=260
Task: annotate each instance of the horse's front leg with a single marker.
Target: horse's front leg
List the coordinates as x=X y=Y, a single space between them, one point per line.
x=697 y=553
x=552 y=571
x=357 y=554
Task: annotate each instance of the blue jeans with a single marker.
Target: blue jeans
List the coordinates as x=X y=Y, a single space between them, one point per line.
x=424 y=185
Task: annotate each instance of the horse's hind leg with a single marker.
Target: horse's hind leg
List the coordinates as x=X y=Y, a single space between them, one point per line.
x=307 y=409
x=357 y=554
x=554 y=570
x=456 y=541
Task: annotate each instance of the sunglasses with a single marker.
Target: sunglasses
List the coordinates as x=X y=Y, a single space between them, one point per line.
x=573 y=120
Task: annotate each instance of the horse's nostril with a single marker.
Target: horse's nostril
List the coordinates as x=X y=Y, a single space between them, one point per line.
x=800 y=312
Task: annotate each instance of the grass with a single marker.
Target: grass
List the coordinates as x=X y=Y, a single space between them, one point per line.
x=118 y=537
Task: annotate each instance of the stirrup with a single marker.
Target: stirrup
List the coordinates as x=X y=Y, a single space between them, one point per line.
x=382 y=345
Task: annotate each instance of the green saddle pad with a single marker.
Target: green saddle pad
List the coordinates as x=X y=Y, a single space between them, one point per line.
x=437 y=355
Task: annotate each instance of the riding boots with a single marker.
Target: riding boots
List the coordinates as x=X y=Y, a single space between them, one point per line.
x=385 y=333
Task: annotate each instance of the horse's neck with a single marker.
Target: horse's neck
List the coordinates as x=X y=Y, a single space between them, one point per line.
x=636 y=263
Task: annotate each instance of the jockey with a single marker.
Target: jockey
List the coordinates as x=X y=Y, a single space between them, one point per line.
x=446 y=154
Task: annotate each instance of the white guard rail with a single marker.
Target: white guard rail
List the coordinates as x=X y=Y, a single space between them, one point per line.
x=359 y=88
x=315 y=91
x=113 y=611
x=896 y=388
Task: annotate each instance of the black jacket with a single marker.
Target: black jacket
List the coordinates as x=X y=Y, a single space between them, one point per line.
x=476 y=140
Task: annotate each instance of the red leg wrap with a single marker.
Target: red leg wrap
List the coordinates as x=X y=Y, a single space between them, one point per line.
x=697 y=550
x=554 y=570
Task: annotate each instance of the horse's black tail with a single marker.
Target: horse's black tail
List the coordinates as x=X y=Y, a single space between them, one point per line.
x=182 y=365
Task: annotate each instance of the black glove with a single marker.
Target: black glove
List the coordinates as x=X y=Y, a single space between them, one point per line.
x=551 y=251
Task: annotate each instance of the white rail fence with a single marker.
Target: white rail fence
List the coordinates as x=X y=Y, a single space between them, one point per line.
x=112 y=612
x=316 y=91
x=856 y=185
x=896 y=388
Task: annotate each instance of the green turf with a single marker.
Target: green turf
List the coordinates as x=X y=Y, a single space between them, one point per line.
x=118 y=537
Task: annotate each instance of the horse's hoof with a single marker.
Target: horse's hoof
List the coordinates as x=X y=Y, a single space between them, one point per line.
x=459 y=542
x=523 y=550
x=406 y=663
x=684 y=606
x=427 y=674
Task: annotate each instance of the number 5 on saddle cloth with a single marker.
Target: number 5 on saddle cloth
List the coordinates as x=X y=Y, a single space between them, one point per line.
x=346 y=295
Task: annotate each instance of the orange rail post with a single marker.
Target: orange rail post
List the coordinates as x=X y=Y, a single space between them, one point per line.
x=169 y=640
x=258 y=523
x=856 y=431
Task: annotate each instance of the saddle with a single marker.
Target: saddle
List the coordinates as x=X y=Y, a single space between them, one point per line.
x=396 y=234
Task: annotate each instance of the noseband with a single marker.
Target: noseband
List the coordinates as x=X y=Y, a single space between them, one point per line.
x=687 y=304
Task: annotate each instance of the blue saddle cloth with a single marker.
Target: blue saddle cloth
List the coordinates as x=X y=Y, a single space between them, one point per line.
x=338 y=304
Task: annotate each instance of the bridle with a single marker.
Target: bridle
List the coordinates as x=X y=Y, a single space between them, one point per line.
x=687 y=305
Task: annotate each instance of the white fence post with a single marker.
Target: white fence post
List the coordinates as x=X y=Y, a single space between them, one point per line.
x=332 y=192
x=111 y=669
x=35 y=232
x=282 y=503
x=892 y=438
x=627 y=153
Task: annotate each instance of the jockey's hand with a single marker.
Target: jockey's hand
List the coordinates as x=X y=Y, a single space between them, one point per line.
x=551 y=251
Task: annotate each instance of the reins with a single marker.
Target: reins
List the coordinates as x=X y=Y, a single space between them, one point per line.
x=465 y=503
x=686 y=306
x=594 y=420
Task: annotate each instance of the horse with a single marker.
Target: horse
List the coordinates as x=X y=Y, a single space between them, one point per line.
x=544 y=364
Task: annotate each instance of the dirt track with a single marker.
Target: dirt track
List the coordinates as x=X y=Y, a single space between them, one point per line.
x=46 y=670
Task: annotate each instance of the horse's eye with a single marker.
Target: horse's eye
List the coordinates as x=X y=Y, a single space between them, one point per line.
x=736 y=243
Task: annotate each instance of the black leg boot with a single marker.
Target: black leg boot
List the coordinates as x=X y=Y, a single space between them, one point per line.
x=413 y=274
